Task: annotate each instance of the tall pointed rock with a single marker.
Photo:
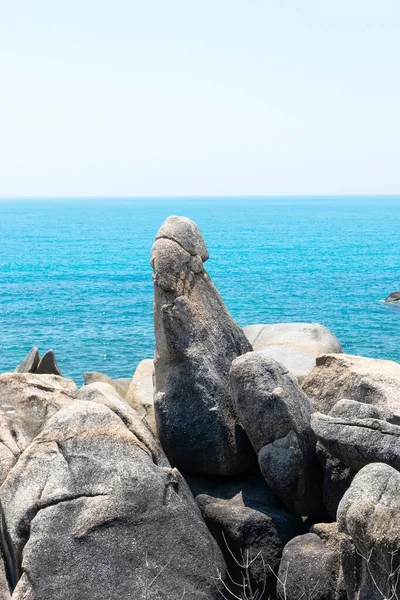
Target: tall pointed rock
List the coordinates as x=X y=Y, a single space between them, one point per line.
x=196 y=341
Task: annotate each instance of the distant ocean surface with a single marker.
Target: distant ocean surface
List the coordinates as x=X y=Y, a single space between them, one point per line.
x=75 y=275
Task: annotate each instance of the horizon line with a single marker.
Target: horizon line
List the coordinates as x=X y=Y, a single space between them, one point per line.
x=200 y=196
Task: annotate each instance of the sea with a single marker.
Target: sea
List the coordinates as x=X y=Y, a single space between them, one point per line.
x=75 y=274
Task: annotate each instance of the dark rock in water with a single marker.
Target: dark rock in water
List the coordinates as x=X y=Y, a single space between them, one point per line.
x=357 y=442
x=310 y=568
x=121 y=384
x=369 y=528
x=368 y=380
x=276 y=416
x=93 y=510
x=27 y=401
x=48 y=364
x=30 y=362
x=394 y=298
x=294 y=345
x=196 y=341
x=247 y=519
x=5 y=593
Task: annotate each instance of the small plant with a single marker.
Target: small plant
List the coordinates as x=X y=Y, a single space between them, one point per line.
x=391 y=574
x=245 y=589
x=149 y=580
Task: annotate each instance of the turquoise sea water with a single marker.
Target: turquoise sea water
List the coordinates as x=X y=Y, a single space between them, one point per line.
x=75 y=274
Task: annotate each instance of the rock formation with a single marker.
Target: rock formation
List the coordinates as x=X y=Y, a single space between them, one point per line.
x=369 y=528
x=196 y=341
x=48 y=364
x=140 y=394
x=93 y=510
x=276 y=416
x=93 y=506
x=310 y=568
x=368 y=380
x=121 y=384
x=30 y=362
x=26 y=402
x=249 y=523
x=393 y=298
x=294 y=345
x=358 y=436
x=337 y=478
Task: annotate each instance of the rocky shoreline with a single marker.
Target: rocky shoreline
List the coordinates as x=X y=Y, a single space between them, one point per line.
x=256 y=463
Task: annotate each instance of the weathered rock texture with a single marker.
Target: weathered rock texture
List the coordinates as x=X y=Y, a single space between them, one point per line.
x=356 y=434
x=295 y=345
x=4 y=588
x=27 y=401
x=336 y=481
x=121 y=385
x=93 y=510
x=310 y=568
x=30 y=362
x=368 y=380
x=196 y=341
x=141 y=391
x=276 y=416
x=247 y=519
x=369 y=528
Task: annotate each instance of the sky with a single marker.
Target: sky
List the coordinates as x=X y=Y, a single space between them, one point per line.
x=199 y=97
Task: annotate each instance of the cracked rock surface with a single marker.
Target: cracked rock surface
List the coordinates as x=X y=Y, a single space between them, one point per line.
x=358 y=434
x=27 y=401
x=94 y=496
x=196 y=341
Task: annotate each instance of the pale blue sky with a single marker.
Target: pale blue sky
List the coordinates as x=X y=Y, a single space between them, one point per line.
x=176 y=97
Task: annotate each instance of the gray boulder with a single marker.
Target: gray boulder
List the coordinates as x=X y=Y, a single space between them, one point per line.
x=48 y=364
x=368 y=380
x=352 y=409
x=196 y=341
x=276 y=416
x=30 y=362
x=358 y=438
x=141 y=392
x=4 y=587
x=337 y=474
x=295 y=345
x=393 y=298
x=93 y=510
x=310 y=566
x=27 y=401
x=121 y=385
x=247 y=520
x=369 y=528
x=103 y=393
